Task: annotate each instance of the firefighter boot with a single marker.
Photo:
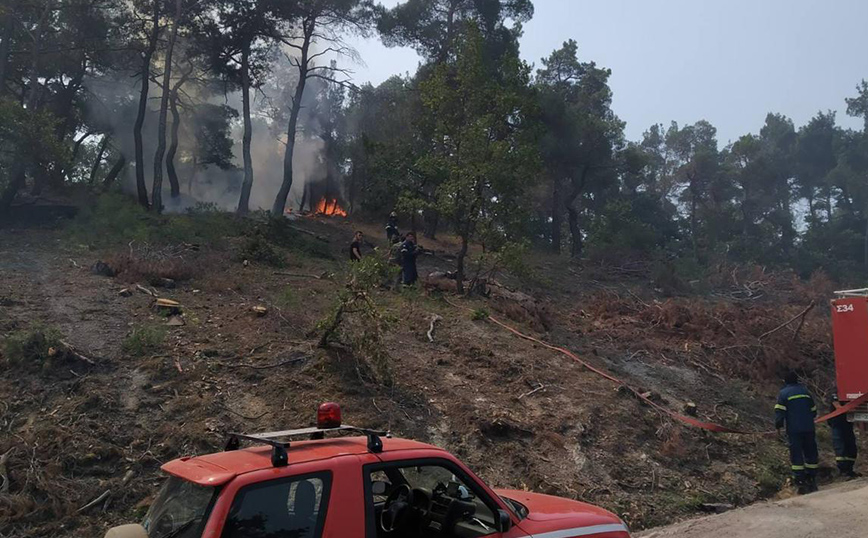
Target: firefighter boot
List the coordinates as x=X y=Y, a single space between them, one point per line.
x=801 y=486
x=812 y=484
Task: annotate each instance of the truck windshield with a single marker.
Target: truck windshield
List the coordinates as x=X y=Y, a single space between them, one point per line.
x=179 y=511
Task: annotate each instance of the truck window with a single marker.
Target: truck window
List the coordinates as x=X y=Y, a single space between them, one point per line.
x=426 y=499
x=180 y=510
x=287 y=508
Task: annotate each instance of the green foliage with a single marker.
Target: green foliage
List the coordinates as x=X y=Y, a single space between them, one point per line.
x=280 y=231
x=484 y=142
x=629 y=228
x=257 y=249
x=32 y=347
x=114 y=219
x=144 y=341
x=357 y=320
x=479 y=314
x=288 y=298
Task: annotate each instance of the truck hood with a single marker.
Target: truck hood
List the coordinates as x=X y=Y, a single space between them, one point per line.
x=556 y=517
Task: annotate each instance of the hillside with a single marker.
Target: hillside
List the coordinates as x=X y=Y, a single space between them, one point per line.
x=99 y=388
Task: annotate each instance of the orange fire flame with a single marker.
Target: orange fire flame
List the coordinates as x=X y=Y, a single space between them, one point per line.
x=329 y=208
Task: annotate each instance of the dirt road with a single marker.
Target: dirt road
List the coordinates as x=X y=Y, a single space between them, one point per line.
x=838 y=511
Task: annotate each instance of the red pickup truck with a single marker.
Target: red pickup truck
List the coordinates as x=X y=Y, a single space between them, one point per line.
x=367 y=485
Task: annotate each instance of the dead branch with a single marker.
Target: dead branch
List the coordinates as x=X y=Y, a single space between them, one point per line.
x=539 y=388
x=77 y=354
x=4 y=471
x=801 y=314
x=299 y=275
x=434 y=319
x=146 y=291
x=96 y=501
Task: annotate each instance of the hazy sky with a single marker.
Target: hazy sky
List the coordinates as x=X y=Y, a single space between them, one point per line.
x=728 y=61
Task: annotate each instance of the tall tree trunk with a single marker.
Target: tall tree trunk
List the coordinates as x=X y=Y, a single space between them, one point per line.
x=577 y=245
x=141 y=188
x=173 y=146
x=7 y=22
x=99 y=154
x=247 y=185
x=18 y=171
x=280 y=201
x=462 y=255
x=430 y=221
x=693 y=239
x=578 y=187
x=114 y=172
x=304 y=192
x=557 y=217
x=157 y=187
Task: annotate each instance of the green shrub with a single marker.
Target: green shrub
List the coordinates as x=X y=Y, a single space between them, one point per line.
x=35 y=346
x=145 y=340
x=479 y=314
x=113 y=219
x=258 y=249
x=287 y=298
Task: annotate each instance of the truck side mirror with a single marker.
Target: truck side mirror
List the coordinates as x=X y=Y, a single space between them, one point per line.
x=379 y=487
x=133 y=530
x=504 y=522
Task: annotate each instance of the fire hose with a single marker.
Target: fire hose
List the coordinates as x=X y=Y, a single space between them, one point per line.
x=690 y=421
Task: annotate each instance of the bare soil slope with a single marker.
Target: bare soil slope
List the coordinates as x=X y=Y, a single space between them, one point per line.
x=519 y=414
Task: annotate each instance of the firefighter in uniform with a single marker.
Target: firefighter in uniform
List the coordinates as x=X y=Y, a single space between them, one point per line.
x=796 y=409
x=844 y=442
x=392 y=227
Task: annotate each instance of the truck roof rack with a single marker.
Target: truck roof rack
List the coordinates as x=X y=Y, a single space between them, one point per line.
x=279 y=440
x=861 y=292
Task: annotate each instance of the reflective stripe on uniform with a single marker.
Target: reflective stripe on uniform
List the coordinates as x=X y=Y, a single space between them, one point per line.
x=798 y=467
x=582 y=531
x=811 y=466
x=781 y=407
x=844 y=458
x=797 y=396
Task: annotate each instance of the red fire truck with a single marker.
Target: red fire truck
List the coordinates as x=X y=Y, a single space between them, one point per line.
x=850 y=331
x=367 y=485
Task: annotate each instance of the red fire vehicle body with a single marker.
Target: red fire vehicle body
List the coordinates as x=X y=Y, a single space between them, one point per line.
x=363 y=486
x=850 y=331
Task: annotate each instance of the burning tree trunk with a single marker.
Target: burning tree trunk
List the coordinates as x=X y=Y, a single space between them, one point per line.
x=157 y=194
x=141 y=188
x=247 y=185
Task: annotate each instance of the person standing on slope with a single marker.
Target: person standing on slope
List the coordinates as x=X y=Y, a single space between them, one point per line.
x=844 y=442
x=392 y=227
x=409 y=252
x=796 y=409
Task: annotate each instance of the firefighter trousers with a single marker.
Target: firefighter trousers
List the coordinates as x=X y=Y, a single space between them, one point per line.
x=844 y=441
x=804 y=457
